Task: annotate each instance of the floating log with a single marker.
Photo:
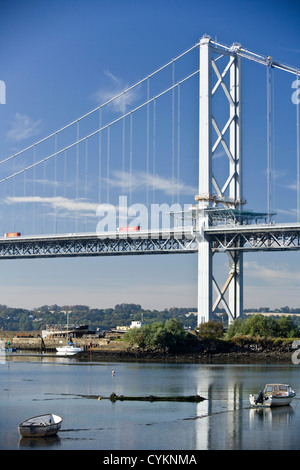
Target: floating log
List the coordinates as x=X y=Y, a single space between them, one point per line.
x=191 y=398
x=113 y=398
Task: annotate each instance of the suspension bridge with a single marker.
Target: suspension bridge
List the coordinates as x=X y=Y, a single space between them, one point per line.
x=111 y=182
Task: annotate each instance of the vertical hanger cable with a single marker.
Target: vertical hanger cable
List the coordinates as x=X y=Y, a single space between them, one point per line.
x=269 y=143
x=298 y=155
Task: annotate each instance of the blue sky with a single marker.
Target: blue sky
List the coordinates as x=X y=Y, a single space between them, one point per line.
x=61 y=59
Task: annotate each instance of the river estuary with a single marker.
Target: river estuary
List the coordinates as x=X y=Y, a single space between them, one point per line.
x=31 y=385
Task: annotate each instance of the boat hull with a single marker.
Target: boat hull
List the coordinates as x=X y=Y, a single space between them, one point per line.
x=40 y=426
x=272 y=401
x=68 y=350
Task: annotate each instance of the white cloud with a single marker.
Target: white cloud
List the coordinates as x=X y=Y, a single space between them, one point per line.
x=219 y=154
x=295 y=50
x=273 y=273
x=290 y=212
x=140 y=180
x=23 y=127
x=58 y=202
x=115 y=87
x=272 y=284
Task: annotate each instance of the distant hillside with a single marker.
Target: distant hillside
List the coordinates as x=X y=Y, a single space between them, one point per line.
x=18 y=319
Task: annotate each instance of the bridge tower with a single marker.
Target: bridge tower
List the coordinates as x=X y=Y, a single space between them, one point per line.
x=215 y=195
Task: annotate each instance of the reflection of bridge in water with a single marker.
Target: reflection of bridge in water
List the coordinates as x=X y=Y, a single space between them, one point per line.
x=225 y=421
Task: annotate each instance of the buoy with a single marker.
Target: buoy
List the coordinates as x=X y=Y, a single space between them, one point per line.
x=99 y=398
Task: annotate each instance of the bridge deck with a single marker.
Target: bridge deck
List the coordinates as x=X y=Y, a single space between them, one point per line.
x=268 y=237
x=262 y=237
x=93 y=244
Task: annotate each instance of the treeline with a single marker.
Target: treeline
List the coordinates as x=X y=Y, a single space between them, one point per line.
x=171 y=336
x=258 y=325
x=18 y=319
x=285 y=309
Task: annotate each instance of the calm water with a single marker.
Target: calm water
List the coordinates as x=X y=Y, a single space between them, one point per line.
x=30 y=386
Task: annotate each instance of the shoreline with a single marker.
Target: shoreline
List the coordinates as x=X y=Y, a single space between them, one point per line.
x=238 y=357
x=105 y=355
x=217 y=352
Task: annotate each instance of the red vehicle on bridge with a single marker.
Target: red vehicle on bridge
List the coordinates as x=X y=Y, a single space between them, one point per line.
x=12 y=234
x=130 y=229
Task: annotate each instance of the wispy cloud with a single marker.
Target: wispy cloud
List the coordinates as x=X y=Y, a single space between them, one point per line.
x=58 y=203
x=293 y=185
x=219 y=154
x=50 y=183
x=295 y=50
x=278 y=274
x=23 y=127
x=290 y=212
x=114 y=88
x=140 y=180
x=276 y=175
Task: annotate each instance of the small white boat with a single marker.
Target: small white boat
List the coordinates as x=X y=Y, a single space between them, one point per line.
x=40 y=426
x=273 y=395
x=68 y=350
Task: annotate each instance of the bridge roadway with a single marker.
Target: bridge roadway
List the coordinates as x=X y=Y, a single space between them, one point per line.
x=246 y=238
x=255 y=237
x=99 y=244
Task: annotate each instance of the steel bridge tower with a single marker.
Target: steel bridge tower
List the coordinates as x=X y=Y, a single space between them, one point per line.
x=213 y=194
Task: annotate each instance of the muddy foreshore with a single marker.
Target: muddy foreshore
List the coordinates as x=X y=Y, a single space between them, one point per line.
x=278 y=356
x=219 y=352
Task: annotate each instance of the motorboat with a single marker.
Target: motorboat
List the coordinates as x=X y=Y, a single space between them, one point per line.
x=68 y=350
x=40 y=426
x=273 y=395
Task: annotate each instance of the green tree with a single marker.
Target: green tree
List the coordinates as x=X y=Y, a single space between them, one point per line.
x=210 y=330
x=259 y=325
x=170 y=335
x=287 y=328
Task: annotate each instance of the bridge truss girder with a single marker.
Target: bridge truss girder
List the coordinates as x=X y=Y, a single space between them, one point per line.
x=255 y=238
x=94 y=245
x=228 y=240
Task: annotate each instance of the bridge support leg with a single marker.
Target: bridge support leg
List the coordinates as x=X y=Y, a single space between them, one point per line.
x=227 y=188
x=235 y=288
x=204 y=281
x=230 y=295
x=205 y=183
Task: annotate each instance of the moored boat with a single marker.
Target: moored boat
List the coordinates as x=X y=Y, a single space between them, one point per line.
x=40 y=426
x=273 y=395
x=68 y=350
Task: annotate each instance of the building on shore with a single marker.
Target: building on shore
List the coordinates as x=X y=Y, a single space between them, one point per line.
x=58 y=331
